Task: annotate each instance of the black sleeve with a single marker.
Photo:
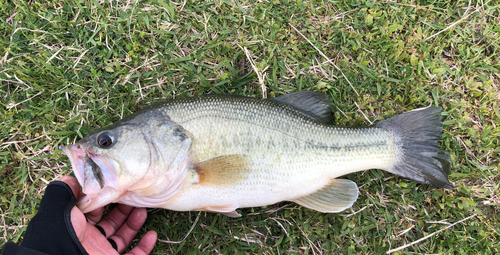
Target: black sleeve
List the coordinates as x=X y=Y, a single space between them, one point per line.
x=50 y=231
x=12 y=248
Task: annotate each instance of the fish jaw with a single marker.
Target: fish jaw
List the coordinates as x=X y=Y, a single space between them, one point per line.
x=97 y=192
x=76 y=156
x=91 y=202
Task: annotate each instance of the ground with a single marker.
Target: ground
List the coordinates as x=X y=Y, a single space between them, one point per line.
x=71 y=66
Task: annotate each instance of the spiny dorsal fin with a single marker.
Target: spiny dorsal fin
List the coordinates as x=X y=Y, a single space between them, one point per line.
x=224 y=170
x=314 y=105
x=336 y=196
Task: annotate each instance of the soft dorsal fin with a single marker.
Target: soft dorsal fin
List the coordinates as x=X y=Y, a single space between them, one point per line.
x=336 y=196
x=221 y=171
x=312 y=104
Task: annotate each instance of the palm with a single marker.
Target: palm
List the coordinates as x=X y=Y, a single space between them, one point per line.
x=121 y=225
x=95 y=243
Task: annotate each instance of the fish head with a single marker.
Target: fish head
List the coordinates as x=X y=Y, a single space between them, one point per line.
x=142 y=156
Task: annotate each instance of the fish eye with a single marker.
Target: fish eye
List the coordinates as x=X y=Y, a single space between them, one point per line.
x=105 y=140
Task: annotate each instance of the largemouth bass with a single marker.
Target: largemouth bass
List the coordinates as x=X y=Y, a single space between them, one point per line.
x=218 y=153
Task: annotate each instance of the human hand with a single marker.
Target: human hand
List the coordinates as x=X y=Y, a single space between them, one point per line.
x=114 y=232
x=59 y=227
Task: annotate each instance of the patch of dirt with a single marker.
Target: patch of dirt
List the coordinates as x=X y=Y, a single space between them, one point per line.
x=7 y=171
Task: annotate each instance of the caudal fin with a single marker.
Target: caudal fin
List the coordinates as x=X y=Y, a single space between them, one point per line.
x=420 y=158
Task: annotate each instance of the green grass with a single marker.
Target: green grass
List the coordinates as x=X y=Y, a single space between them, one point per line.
x=71 y=66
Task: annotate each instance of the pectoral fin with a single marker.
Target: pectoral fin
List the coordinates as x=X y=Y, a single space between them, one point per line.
x=228 y=210
x=222 y=171
x=336 y=196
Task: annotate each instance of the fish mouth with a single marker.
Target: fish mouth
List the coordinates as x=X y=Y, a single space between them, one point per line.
x=90 y=169
x=97 y=174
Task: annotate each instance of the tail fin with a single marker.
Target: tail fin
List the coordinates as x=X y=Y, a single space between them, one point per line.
x=420 y=158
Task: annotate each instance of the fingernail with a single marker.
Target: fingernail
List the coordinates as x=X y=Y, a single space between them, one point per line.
x=65 y=178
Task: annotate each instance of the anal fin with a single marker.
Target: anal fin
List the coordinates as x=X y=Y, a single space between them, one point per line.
x=336 y=196
x=228 y=210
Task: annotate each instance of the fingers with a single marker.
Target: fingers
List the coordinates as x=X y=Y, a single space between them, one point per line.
x=72 y=183
x=145 y=245
x=123 y=237
x=121 y=224
x=114 y=219
x=94 y=216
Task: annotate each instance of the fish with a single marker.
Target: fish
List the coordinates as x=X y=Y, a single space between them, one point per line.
x=218 y=153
